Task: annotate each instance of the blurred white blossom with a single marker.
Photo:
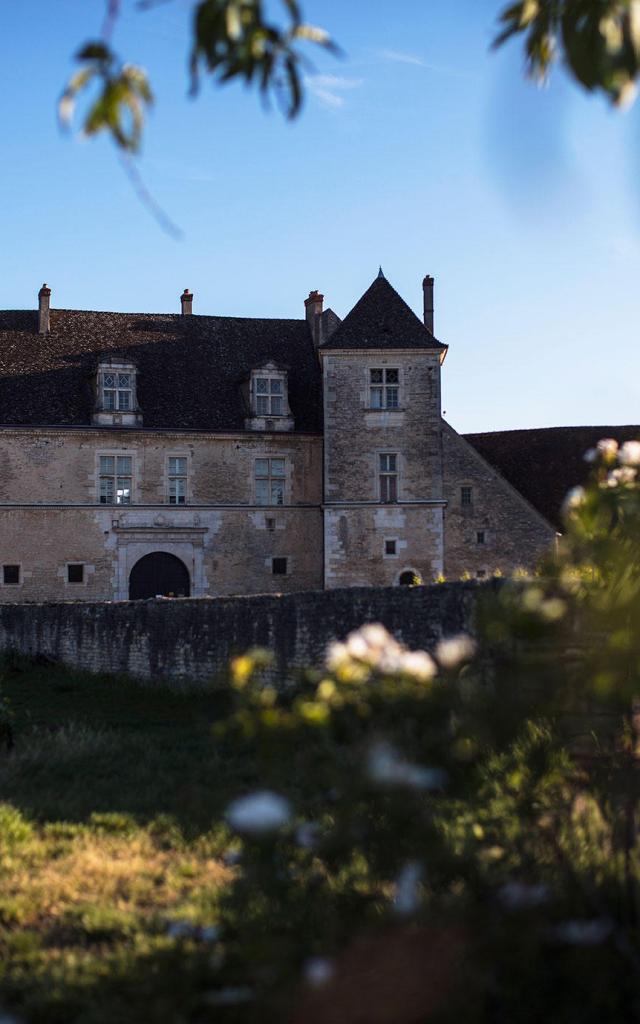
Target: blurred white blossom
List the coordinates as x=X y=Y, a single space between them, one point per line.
x=621 y=475
x=384 y=765
x=454 y=650
x=629 y=454
x=318 y=970
x=519 y=896
x=407 y=889
x=607 y=448
x=373 y=648
x=573 y=501
x=258 y=813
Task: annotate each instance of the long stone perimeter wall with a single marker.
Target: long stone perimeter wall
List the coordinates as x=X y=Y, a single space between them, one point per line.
x=192 y=640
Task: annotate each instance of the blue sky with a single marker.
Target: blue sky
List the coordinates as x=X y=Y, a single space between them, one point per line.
x=420 y=150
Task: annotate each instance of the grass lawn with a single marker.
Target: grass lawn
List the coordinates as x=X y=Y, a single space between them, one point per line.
x=110 y=848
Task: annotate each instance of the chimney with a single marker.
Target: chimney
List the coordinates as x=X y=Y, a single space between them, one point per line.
x=427 y=291
x=313 y=312
x=44 y=298
x=187 y=302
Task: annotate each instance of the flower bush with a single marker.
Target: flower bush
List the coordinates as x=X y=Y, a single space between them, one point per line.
x=458 y=832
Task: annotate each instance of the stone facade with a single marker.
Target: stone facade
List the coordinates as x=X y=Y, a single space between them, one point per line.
x=261 y=456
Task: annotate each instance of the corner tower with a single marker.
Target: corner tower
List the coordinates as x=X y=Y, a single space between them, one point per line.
x=383 y=492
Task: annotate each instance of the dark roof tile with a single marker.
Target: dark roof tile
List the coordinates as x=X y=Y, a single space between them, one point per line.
x=545 y=464
x=189 y=367
x=382 y=319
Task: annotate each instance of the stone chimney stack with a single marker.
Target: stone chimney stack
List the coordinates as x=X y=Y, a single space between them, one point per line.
x=187 y=302
x=427 y=291
x=44 y=299
x=313 y=312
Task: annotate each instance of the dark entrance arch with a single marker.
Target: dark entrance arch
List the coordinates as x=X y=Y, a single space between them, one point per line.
x=158 y=574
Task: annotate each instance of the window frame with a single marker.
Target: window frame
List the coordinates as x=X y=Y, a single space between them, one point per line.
x=385 y=386
x=386 y=476
x=115 y=476
x=390 y=554
x=170 y=477
x=117 y=370
x=466 y=496
x=276 y=391
x=272 y=480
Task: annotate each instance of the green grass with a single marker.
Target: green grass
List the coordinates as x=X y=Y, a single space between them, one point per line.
x=110 y=830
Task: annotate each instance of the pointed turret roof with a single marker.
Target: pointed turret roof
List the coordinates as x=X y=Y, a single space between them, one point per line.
x=382 y=319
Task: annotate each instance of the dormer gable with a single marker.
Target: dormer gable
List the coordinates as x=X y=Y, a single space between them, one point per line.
x=116 y=393
x=266 y=396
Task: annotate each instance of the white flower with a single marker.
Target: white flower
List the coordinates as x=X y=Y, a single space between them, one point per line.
x=318 y=971
x=629 y=454
x=376 y=635
x=607 y=448
x=622 y=475
x=456 y=649
x=407 y=890
x=357 y=646
x=573 y=500
x=337 y=656
x=518 y=896
x=419 y=665
x=258 y=813
x=583 y=933
x=386 y=767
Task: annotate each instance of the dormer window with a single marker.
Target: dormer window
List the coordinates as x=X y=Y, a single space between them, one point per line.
x=116 y=400
x=269 y=396
x=266 y=395
x=117 y=391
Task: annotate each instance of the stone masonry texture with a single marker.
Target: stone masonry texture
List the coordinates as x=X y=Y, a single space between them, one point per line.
x=185 y=641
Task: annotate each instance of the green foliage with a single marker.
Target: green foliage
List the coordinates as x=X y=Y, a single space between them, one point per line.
x=235 y=40
x=599 y=41
x=491 y=797
x=232 y=40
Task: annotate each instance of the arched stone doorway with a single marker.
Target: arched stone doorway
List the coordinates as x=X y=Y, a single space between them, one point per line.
x=409 y=578
x=159 y=574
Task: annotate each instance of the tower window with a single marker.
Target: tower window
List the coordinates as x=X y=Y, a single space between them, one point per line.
x=481 y=537
x=388 y=477
x=279 y=566
x=466 y=497
x=384 y=388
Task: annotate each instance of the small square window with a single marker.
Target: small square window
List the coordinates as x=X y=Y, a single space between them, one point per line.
x=390 y=547
x=11 y=575
x=279 y=566
x=466 y=497
x=75 y=573
x=481 y=537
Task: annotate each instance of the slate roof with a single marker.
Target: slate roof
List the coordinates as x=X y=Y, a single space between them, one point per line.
x=190 y=367
x=381 y=319
x=545 y=464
